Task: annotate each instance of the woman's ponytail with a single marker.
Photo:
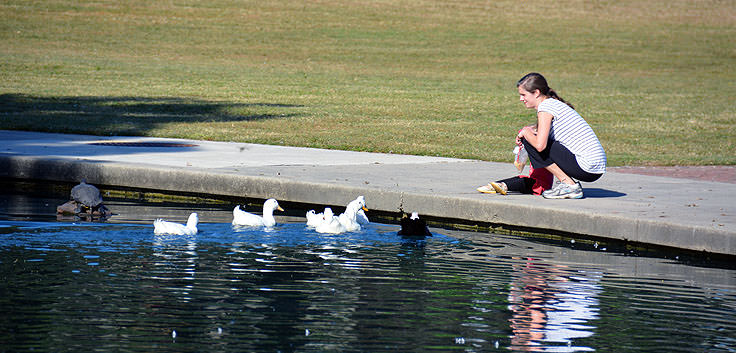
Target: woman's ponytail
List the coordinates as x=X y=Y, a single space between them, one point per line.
x=552 y=94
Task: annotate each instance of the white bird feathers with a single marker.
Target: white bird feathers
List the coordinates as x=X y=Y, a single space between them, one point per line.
x=331 y=224
x=325 y=222
x=349 y=218
x=242 y=218
x=161 y=227
x=315 y=219
x=348 y=221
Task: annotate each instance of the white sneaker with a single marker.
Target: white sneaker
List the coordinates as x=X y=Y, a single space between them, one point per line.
x=564 y=191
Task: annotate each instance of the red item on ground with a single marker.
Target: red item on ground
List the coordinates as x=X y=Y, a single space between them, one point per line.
x=542 y=179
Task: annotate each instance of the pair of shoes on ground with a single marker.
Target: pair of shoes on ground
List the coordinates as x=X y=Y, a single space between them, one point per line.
x=564 y=191
x=494 y=188
x=560 y=191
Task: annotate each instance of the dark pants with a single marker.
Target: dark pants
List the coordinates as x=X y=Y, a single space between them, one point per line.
x=519 y=184
x=558 y=154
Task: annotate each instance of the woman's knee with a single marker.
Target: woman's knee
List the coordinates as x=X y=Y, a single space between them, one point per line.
x=538 y=159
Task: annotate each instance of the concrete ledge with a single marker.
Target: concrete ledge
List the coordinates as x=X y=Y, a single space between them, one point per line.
x=472 y=207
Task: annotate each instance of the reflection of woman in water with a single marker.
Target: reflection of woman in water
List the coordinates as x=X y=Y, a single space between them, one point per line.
x=527 y=296
x=550 y=309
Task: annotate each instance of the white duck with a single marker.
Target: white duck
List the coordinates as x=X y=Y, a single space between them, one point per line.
x=242 y=218
x=314 y=219
x=349 y=218
x=161 y=227
x=331 y=224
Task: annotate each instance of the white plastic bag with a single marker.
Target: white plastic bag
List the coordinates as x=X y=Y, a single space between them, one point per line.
x=521 y=158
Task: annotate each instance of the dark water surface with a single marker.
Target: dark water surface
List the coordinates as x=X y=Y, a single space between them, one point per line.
x=115 y=286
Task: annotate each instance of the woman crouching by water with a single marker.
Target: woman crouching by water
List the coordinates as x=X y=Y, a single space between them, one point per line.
x=563 y=143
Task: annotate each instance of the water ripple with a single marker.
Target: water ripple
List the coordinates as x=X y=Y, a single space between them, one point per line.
x=84 y=287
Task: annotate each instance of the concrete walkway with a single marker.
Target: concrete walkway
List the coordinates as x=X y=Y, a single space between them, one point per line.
x=684 y=213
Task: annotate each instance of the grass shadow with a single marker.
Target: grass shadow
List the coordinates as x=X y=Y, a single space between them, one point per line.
x=125 y=115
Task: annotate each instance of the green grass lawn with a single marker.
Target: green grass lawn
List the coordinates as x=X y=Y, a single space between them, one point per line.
x=654 y=78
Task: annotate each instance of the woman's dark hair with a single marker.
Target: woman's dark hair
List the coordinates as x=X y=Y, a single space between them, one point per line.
x=535 y=81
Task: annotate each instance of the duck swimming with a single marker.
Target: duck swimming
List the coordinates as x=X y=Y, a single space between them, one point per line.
x=242 y=218
x=413 y=226
x=161 y=227
x=314 y=219
x=331 y=224
x=349 y=218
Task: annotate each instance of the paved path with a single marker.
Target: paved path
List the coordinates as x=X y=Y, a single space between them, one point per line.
x=687 y=213
x=718 y=173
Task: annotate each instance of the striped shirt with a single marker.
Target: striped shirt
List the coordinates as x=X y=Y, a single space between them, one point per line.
x=569 y=129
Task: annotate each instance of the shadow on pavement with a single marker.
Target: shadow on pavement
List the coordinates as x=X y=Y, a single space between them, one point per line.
x=596 y=193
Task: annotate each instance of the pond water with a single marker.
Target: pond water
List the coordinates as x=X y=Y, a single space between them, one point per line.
x=115 y=286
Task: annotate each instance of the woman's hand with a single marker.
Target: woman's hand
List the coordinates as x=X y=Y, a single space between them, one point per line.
x=524 y=133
